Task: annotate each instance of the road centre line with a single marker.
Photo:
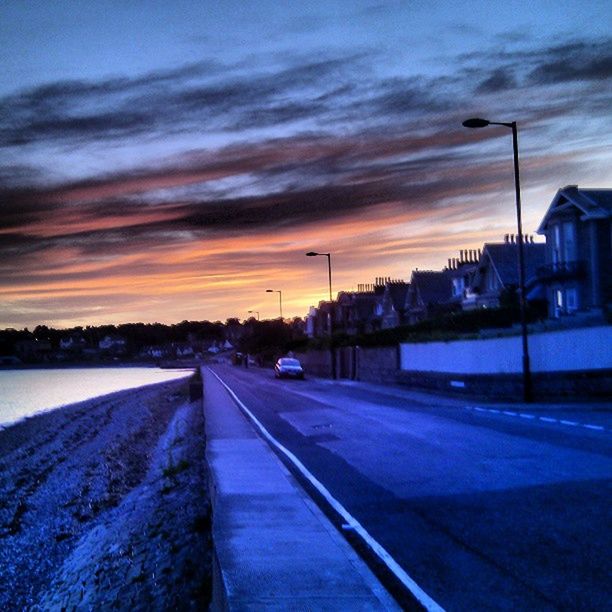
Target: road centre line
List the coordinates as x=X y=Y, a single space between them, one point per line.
x=524 y=415
x=350 y=521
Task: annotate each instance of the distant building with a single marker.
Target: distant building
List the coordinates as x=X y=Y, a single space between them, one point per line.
x=498 y=272
x=74 y=343
x=577 y=273
x=462 y=271
x=429 y=296
x=394 y=299
x=115 y=345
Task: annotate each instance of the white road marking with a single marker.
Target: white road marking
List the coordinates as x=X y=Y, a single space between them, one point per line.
x=524 y=415
x=351 y=522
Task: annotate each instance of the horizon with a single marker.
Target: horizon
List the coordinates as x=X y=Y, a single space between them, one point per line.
x=173 y=163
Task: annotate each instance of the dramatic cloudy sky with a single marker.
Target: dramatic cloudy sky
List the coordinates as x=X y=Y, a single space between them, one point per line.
x=162 y=161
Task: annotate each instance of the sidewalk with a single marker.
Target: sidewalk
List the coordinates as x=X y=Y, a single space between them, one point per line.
x=274 y=548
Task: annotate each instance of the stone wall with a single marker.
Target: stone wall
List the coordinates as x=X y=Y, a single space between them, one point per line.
x=316 y=363
x=378 y=365
x=354 y=363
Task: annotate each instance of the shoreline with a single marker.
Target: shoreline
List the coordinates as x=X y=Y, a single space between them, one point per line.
x=105 y=502
x=91 y=365
x=32 y=392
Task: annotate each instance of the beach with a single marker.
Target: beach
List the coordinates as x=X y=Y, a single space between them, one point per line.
x=104 y=504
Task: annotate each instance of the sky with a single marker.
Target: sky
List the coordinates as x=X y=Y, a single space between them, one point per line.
x=168 y=161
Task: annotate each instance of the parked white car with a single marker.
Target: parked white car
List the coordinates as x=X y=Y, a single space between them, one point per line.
x=288 y=367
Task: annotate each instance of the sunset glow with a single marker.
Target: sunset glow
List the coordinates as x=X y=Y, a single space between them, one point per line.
x=182 y=180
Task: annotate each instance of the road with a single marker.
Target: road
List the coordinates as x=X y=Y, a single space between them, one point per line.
x=485 y=507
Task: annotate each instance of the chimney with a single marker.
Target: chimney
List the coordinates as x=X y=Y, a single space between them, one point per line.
x=507 y=238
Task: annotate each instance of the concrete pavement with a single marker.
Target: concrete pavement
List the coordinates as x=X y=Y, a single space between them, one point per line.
x=274 y=548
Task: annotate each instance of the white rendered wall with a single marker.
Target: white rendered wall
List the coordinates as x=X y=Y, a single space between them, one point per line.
x=588 y=348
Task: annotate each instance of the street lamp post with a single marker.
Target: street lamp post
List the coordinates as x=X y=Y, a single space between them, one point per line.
x=254 y=312
x=480 y=123
x=328 y=255
x=330 y=321
x=280 y=300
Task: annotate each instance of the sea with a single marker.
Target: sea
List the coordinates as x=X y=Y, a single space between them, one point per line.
x=24 y=393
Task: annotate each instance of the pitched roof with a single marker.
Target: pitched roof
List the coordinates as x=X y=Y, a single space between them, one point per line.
x=433 y=287
x=504 y=257
x=594 y=203
x=397 y=294
x=364 y=305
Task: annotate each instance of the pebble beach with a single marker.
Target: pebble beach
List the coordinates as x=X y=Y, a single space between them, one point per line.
x=104 y=505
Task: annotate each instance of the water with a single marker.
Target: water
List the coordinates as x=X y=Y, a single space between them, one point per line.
x=26 y=392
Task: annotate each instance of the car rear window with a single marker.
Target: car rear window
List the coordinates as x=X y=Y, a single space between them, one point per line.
x=290 y=362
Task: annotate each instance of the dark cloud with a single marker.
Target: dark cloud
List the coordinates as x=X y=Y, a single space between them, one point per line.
x=557 y=64
x=173 y=101
x=336 y=93
x=500 y=80
x=578 y=62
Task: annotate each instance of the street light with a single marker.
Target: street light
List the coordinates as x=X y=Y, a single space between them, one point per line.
x=280 y=300
x=476 y=122
x=330 y=317
x=254 y=312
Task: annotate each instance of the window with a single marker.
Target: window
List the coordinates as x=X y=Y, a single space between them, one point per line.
x=558 y=302
x=571 y=299
x=569 y=241
x=458 y=286
x=556 y=244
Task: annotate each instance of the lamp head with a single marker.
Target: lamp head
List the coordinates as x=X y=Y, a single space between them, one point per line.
x=476 y=122
x=269 y=290
x=311 y=254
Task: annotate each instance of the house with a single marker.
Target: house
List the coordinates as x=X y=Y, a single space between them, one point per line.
x=154 y=352
x=317 y=320
x=497 y=274
x=74 y=343
x=577 y=273
x=352 y=312
x=394 y=304
x=115 y=345
x=366 y=312
x=429 y=295
x=462 y=271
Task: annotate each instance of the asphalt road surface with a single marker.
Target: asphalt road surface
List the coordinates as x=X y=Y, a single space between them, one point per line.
x=485 y=507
